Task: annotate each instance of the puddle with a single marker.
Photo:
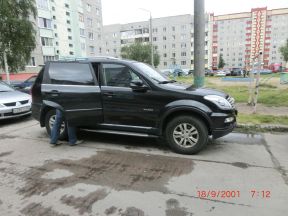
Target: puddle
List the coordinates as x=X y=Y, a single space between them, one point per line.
x=115 y=169
x=242 y=138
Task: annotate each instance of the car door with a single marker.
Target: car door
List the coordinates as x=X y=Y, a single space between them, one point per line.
x=72 y=87
x=121 y=105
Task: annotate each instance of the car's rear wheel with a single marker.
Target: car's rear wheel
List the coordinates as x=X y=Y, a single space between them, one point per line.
x=186 y=134
x=49 y=122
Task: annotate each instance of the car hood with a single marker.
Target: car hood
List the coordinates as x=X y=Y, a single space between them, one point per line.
x=189 y=89
x=13 y=96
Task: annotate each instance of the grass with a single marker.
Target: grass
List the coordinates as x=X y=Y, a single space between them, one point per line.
x=262 y=119
x=269 y=95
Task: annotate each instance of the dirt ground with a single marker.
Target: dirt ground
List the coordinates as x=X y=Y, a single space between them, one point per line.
x=262 y=109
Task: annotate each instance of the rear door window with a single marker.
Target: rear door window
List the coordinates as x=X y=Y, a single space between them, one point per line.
x=70 y=74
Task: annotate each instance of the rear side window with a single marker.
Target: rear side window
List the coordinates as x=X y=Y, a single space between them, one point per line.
x=70 y=74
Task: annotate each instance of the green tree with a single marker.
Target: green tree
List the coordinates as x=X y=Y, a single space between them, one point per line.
x=221 y=63
x=140 y=52
x=17 y=33
x=284 y=51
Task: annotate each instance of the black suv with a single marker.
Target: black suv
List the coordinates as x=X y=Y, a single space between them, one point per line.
x=131 y=98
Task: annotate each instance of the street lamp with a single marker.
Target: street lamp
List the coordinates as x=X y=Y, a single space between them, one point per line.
x=150 y=34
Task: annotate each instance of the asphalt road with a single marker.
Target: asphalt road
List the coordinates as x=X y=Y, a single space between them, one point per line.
x=240 y=174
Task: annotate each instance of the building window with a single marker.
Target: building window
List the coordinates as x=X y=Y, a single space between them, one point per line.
x=71 y=53
x=83 y=46
x=91 y=35
x=165 y=55
x=183 y=62
x=183 y=27
x=173 y=45
x=32 y=62
x=154 y=38
x=70 y=45
x=164 y=30
x=67 y=5
x=173 y=28
x=165 y=63
x=88 y=7
x=81 y=17
x=46 y=41
x=69 y=29
x=183 y=36
x=67 y=13
x=114 y=35
x=89 y=22
x=164 y=38
x=91 y=49
x=68 y=22
x=44 y=23
x=82 y=32
x=164 y=46
x=183 y=45
x=48 y=58
x=69 y=37
x=43 y=4
x=174 y=55
x=54 y=17
x=97 y=11
x=183 y=53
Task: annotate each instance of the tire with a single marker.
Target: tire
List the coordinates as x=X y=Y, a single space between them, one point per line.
x=49 y=119
x=194 y=138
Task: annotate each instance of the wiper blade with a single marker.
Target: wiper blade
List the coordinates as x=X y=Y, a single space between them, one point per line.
x=167 y=81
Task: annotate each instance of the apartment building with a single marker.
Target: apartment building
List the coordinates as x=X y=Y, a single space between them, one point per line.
x=66 y=28
x=172 y=38
x=240 y=37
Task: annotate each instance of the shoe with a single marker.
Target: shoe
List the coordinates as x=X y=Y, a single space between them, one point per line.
x=77 y=143
x=56 y=144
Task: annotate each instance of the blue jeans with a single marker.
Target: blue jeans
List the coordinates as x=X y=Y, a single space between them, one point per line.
x=55 y=132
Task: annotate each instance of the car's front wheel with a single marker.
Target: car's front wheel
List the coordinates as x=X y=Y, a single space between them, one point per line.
x=186 y=134
x=49 y=122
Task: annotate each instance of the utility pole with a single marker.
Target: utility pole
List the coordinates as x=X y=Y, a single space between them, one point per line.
x=199 y=43
x=150 y=35
x=151 y=39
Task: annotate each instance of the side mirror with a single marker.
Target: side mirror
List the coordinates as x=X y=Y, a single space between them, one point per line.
x=138 y=85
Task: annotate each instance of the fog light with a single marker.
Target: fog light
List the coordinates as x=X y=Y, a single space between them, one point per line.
x=228 y=120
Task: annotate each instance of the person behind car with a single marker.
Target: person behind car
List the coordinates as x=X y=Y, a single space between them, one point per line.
x=72 y=137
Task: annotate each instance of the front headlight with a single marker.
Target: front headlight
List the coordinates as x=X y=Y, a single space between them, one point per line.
x=221 y=102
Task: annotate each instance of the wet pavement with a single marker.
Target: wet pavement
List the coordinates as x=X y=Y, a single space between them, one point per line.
x=239 y=174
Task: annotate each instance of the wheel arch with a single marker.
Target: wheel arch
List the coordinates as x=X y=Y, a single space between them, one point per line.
x=46 y=107
x=188 y=111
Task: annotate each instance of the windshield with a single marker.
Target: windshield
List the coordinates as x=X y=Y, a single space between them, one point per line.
x=4 y=87
x=151 y=72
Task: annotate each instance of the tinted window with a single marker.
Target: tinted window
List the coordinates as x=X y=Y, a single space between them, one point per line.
x=70 y=74
x=118 y=75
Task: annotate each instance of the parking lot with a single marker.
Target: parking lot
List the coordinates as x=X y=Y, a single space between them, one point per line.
x=239 y=174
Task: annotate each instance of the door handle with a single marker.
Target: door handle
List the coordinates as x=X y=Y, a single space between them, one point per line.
x=108 y=94
x=53 y=93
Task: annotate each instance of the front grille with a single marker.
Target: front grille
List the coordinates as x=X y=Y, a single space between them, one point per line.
x=231 y=100
x=10 y=104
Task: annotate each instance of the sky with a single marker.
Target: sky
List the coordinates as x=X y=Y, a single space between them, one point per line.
x=127 y=11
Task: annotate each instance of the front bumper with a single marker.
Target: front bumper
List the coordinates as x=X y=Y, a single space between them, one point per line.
x=14 y=112
x=220 y=127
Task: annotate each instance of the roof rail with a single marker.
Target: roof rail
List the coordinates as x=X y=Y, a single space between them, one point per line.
x=68 y=58
x=103 y=57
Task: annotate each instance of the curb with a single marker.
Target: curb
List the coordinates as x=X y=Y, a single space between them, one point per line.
x=261 y=128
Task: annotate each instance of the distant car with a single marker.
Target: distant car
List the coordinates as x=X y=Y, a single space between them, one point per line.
x=262 y=71
x=209 y=72
x=13 y=103
x=25 y=86
x=220 y=73
x=227 y=71
x=237 y=72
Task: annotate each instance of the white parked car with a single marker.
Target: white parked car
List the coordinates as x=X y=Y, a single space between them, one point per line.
x=13 y=103
x=220 y=73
